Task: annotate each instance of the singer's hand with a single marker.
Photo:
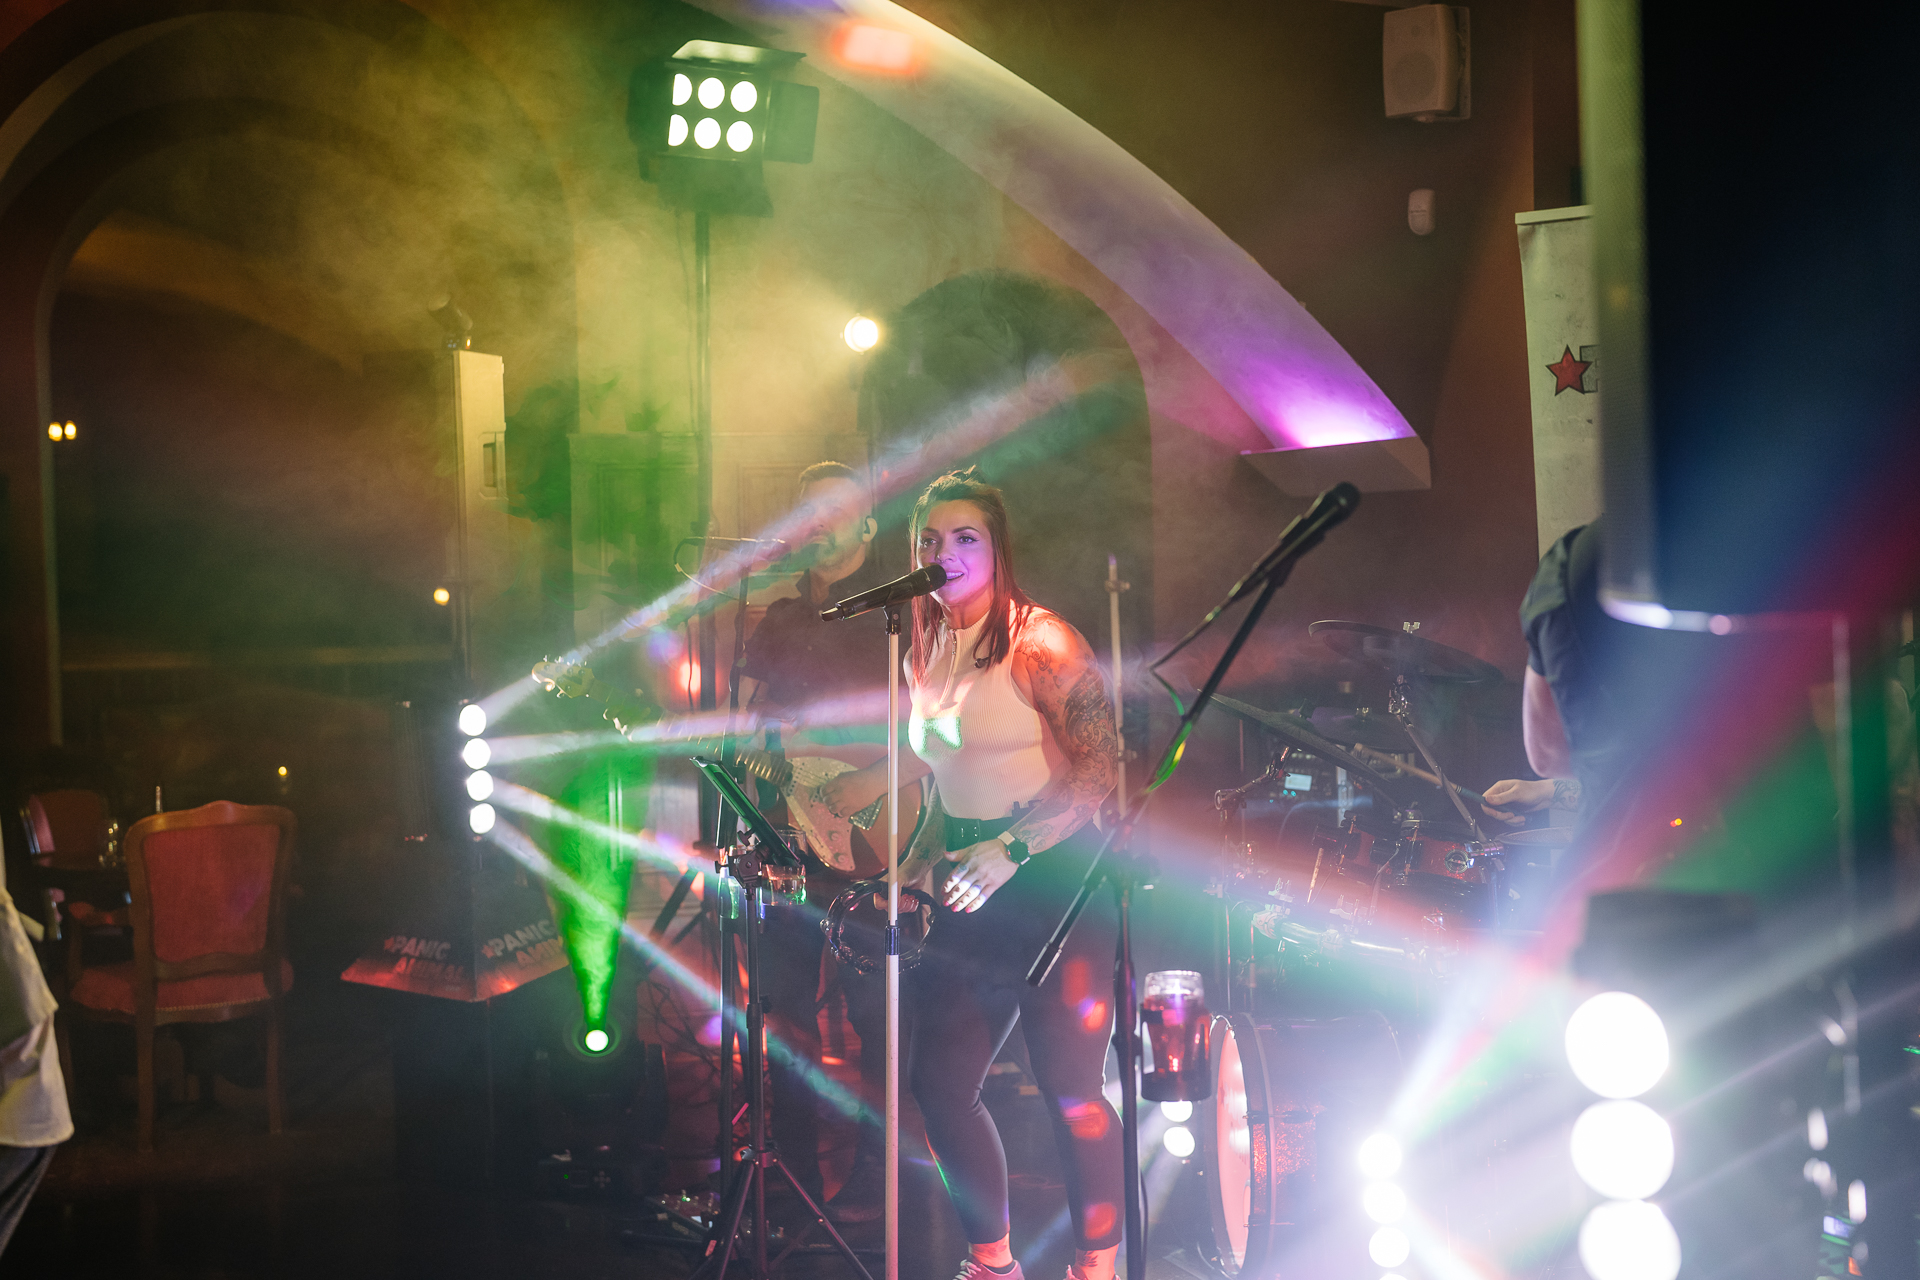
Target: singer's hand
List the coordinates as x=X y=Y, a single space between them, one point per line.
x=976 y=872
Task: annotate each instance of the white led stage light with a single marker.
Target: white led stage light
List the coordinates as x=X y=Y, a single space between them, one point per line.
x=1177 y=1112
x=473 y=720
x=1384 y=1202
x=682 y=88
x=476 y=753
x=1389 y=1247
x=1380 y=1156
x=861 y=334
x=1629 y=1240
x=677 y=130
x=712 y=92
x=481 y=818
x=1617 y=1045
x=739 y=135
x=1623 y=1150
x=744 y=96
x=706 y=134
x=479 y=784
x=1178 y=1141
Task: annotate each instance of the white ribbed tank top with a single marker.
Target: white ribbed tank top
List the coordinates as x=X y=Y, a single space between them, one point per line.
x=988 y=748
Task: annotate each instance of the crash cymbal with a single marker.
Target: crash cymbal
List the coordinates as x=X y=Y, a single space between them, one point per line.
x=1367 y=728
x=1536 y=837
x=1402 y=653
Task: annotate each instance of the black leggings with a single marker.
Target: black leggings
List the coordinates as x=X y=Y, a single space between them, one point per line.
x=967 y=994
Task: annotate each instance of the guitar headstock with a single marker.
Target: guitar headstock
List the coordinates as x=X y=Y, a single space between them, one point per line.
x=565 y=679
x=577 y=680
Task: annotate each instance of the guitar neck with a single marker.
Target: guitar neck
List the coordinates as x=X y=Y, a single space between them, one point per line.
x=766 y=766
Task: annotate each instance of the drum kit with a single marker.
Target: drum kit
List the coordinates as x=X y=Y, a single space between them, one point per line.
x=1335 y=942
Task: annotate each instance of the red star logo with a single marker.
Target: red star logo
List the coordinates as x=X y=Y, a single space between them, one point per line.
x=1567 y=372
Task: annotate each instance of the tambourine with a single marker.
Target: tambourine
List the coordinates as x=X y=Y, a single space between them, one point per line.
x=856 y=926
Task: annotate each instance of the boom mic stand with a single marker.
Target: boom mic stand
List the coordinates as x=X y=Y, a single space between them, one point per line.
x=1122 y=872
x=748 y=864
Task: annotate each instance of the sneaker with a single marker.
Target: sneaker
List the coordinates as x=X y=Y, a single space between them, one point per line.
x=972 y=1270
x=862 y=1197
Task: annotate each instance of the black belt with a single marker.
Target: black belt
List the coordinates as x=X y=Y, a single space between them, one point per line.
x=962 y=832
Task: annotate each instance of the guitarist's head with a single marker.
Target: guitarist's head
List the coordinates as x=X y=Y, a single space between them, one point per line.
x=835 y=519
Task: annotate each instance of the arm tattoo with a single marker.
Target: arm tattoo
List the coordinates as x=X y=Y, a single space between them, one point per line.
x=1072 y=698
x=1566 y=794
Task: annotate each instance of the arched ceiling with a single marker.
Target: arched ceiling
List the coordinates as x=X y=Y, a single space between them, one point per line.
x=328 y=179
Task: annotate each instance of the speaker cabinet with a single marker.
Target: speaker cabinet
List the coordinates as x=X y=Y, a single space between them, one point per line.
x=1423 y=63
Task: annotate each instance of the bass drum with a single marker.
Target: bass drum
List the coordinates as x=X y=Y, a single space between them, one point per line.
x=1292 y=1101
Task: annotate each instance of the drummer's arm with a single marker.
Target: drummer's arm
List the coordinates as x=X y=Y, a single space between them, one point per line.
x=1541 y=726
x=1547 y=753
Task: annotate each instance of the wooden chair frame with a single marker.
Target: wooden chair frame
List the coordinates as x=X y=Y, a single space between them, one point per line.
x=149 y=971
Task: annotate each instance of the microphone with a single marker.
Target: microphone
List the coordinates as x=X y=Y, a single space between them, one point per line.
x=1305 y=533
x=918 y=583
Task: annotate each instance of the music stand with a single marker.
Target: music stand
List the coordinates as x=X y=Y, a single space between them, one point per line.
x=747 y=864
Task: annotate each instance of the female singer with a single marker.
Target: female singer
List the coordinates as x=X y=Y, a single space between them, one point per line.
x=1012 y=717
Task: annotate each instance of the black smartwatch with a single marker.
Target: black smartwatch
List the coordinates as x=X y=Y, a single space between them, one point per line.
x=1016 y=849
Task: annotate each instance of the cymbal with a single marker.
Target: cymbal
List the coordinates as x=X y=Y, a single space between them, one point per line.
x=1367 y=728
x=1403 y=653
x=1536 y=837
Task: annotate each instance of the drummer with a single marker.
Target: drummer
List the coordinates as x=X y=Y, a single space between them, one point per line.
x=1587 y=698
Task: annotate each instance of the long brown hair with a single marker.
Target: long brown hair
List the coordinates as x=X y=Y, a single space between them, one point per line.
x=1008 y=598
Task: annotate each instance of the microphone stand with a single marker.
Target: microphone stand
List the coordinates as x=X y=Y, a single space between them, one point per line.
x=1122 y=872
x=891 y=1200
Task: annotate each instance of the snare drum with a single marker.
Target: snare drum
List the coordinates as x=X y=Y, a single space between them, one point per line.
x=1441 y=855
x=1292 y=1101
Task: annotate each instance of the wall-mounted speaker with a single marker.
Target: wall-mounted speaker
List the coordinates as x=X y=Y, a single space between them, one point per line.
x=1424 y=64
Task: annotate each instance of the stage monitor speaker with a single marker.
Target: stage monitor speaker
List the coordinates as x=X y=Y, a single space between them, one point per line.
x=1754 y=185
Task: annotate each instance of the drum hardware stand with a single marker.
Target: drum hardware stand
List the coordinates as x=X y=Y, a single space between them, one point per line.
x=1400 y=707
x=1124 y=870
x=750 y=865
x=1231 y=804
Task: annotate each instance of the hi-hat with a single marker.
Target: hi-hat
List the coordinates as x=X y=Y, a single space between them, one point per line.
x=1402 y=653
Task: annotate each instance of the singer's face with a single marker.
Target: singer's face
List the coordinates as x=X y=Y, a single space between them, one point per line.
x=832 y=517
x=956 y=539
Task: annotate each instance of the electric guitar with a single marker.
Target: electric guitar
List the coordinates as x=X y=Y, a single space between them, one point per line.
x=839 y=842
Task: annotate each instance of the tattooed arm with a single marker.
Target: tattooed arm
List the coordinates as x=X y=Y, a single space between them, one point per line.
x=1054 y=666
x=1517 y=795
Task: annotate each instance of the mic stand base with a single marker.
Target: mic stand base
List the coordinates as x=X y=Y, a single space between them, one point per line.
x=750 y=1176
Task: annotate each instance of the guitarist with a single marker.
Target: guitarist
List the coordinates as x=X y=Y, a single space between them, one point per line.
x=828 y=682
